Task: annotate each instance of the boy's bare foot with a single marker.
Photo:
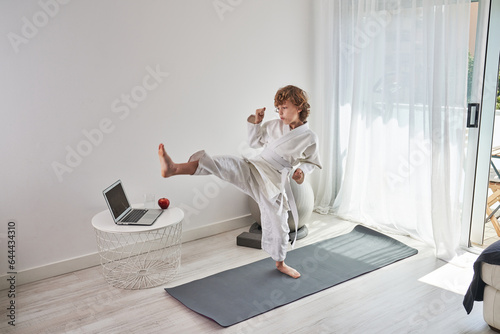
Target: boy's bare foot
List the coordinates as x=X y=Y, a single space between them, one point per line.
x=281 y=266
x=167 y=165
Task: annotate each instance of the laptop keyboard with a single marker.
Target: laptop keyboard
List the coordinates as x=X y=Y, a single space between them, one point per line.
x=134 y=216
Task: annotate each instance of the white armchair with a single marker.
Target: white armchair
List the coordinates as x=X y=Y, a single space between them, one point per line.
x=490 y=274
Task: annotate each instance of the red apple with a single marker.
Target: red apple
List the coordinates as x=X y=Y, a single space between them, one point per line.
x=163 y=203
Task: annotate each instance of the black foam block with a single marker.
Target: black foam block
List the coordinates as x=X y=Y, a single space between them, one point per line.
x=248 y=239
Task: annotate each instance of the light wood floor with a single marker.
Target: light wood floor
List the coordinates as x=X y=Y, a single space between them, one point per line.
x=389 y=300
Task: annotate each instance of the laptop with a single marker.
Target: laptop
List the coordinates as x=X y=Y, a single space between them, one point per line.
x=122 y=212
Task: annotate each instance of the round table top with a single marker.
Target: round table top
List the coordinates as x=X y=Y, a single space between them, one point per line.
x=104 y=222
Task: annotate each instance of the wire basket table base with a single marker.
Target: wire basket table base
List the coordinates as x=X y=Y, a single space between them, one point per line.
x=139 y=260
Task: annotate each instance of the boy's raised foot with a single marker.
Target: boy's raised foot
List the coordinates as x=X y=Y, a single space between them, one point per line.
x=166 y=164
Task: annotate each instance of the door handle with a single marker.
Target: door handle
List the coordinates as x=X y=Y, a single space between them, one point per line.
x=472 y=115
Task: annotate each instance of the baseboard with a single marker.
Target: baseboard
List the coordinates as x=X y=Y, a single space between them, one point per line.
x=91 y=260
x=216 y=228
x=50 y=270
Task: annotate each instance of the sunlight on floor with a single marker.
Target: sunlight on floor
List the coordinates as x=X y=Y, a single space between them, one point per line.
x=454 y=276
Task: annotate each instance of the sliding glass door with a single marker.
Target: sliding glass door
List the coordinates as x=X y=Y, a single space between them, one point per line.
x=482 y=172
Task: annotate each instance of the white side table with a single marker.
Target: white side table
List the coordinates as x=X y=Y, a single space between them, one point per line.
x=138 y=257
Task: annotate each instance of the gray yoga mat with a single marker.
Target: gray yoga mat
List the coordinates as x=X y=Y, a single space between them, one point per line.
x=241 y=293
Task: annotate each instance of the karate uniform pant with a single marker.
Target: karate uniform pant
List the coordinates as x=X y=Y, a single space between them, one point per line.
x=242 y=174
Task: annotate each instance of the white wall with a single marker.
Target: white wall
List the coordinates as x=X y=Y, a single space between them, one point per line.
x=66 y=68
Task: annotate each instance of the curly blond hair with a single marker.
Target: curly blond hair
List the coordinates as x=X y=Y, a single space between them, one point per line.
x=297 y=97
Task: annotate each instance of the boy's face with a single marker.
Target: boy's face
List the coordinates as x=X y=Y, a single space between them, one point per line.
x=289 y=113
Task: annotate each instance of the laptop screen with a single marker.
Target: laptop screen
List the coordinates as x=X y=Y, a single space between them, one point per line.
x=117 y=201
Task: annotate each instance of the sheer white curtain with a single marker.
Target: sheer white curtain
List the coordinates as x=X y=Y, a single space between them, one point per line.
x=392 y=77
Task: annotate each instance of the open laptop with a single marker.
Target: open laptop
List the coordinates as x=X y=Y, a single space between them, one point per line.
x=122 y=212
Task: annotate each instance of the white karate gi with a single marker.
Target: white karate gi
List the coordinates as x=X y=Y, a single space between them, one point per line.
x=265 y=180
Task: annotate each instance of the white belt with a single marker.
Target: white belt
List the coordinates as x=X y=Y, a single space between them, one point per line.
x=285 y=168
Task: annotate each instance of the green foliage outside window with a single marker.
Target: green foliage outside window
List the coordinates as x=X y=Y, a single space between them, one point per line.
x=469 y=82
x=498 y=92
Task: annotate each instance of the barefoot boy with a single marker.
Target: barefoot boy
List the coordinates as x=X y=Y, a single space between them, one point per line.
x=288 y=144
